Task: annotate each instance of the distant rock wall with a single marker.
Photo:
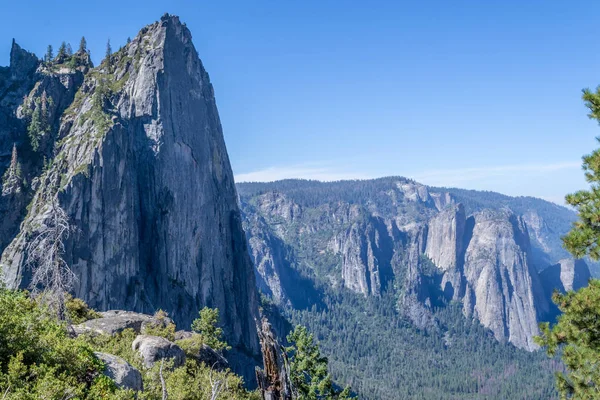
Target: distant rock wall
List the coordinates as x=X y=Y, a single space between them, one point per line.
x=483 y=260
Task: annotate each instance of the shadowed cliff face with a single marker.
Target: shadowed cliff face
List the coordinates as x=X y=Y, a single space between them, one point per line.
x=365 y=235
x=143 y=173
x=567 y=274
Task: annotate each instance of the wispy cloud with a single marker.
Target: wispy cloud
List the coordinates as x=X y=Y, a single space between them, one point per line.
x=461 y=176
x=437 y=177
x=303 y=171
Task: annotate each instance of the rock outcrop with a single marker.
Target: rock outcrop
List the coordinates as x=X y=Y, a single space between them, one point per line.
x=115 y=321
x=155 y=348
x=205 y=354
x=268 y=254
x=121 y=372
x=212 y=358
x=139 y=165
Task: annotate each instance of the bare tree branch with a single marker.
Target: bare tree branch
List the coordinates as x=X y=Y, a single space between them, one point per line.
x=51 y=276
x=216 y=387
x=6 y=393
x=165 y=395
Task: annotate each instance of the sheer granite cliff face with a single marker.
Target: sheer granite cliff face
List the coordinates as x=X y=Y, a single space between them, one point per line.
x=16 y=81
x=567 y=274
x=445 y=237
x=503 y=288
x=142 y=171
x=365 y=235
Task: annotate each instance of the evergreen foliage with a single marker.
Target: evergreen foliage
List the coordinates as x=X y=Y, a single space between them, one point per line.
x=108 y=51
x=206 y=327
x=161 y=327
x=39 y=120
x=577 y=333
x=370 y=342
x=584 y=238
x=577 y=337
x=49 y=54
x=82 y=45
x=62 y=55
x=78 y=311
x=309 y=369
x=383 y=356
x=39 y=360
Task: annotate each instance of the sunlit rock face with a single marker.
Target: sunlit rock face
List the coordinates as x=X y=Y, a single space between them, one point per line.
x=142 y=171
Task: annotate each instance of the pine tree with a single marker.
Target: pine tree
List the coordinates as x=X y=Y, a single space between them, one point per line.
x=69 y=50
x=49 y=54
x=82 y=45
x=578 y=334
x=128 y=40
x=108 y=51
x=45 y=103
x=35 y=127
x=62 y=52
x=309 y=369
x=584 y=238
x=577 y=331
x=207 y=327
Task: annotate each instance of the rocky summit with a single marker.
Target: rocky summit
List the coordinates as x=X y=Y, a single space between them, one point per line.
x=133 y=152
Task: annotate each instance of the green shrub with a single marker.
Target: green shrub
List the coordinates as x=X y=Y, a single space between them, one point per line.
x=161 y=326
x=38 y=360
x=78 y=310
x=206 y=326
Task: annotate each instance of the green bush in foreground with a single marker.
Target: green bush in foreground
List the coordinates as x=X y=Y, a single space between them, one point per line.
x=38 y=360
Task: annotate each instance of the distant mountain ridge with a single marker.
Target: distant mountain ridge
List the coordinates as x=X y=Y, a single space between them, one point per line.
x=430 y=247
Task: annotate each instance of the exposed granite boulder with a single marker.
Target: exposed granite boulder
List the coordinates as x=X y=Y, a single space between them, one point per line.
x=115 y=321
x=156 y=348
x=180 y=335
x=121 y=372
x=212 y=358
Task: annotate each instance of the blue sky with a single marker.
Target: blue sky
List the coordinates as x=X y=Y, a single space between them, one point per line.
x=474 y=94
